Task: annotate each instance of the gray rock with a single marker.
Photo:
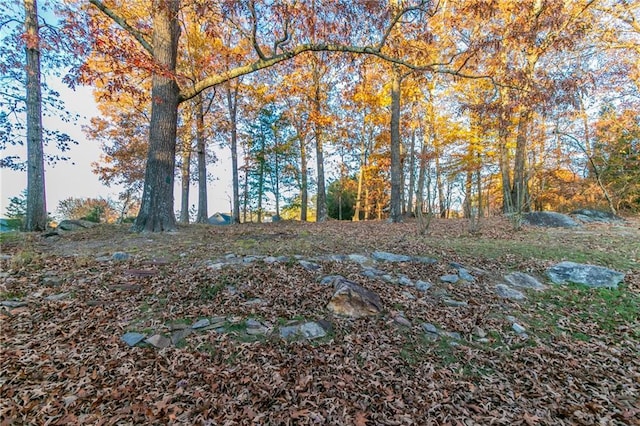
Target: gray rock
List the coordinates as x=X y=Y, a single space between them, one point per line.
x=452 y=335
x=390 y=257
x=423 y=285
x=549 y=219
x=404 y=280
x=309 y=266
x=429 y=328
x=518 y=328
x=308 y=330
x=253 y=302
x=424 y=259
x=454 y=303
x=75 y=225
x=589 y=275
x=330 y=279
x=13 y=303
x=132 y=338
x=158 y=341
x=215 y=266
x=465 y=275
x=589 y=215
x=51 y=281
x=408 y=295
x=370 y=272
x=390 y=279
x=255 y=327
x=201 y=323
x=120 y=256
x=450 y=278
x=249 y=259
x=520 y=279
x=402 y=320
x=358 y=258
x=270 y=259
x=57 y=297
x=507 y=292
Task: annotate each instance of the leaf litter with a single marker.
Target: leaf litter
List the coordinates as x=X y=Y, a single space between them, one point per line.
x=63 y=360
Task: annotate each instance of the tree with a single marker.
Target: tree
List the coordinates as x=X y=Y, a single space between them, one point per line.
x=91 y=209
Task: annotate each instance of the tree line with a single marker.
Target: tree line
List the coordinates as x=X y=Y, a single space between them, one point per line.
x=415 y=106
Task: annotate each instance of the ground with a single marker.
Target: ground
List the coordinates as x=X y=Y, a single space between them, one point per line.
x=63 y=361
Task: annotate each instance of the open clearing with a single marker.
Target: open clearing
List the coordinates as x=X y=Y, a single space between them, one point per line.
x=63 y=361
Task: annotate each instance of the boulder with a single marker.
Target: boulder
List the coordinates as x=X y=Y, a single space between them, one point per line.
x=308 y=330
x=589 y=215
x=522 y=280
x=507 y=292
x=353 y=300
x=390 y=257
x=549 y=219
x=589 y=275
x=74 y=225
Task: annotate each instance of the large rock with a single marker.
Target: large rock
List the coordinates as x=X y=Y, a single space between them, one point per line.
x=588 y=215
x=390 y=257
x=353 y=300
x=74 y=225
x=549 y=219
x=589 y=275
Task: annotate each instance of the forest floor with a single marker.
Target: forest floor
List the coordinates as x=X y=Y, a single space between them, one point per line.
x=63 y=360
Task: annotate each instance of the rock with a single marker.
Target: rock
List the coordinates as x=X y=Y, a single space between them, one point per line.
x=401 y=320
x=57 y=297
x=452 y=335
x=408 y=295
x=179 y=335
x=255 y=327
x=353 y=300
x=215 y=266
x=201 y=323
x=75 y=225
x=589 y=275
x=13 y=303
x=518 y=328
x=549 y=219
x=454 y=303
x=308 y=330
x=507 y=292
x=120 y=255
x=254 y=301
x=404 y=280
x=158 y=341
x=132 y=338
x=479 y=332
x=425 y=260
x=309 y=266
x=249 y=259
x=51 y=281
x=390 y=279
x=390 y=257
x=465 y=275
x=358 y=258
x=430 y=331
x=270 y=259
x=423 y=285
x=450 y=278
x=520 y=279
x=372 y=272
x=589 y=215
x=329 y=279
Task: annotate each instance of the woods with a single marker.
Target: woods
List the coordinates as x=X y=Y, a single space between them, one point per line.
x=450 y=108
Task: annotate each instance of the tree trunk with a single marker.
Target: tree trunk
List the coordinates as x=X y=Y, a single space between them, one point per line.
x=507 y=206
x=396 y=164
x=36 y=215
x=304 y=180
x=185 y=174
x=321 y=198
x=519 y=189
x=412 y=172
x=232 y=104
x=203 y=213
x=156 y=211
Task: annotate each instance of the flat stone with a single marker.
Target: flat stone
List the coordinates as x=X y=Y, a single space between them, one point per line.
x=120 y=256
x=253 y=323
x=358 y=258
x=518 y=328
x=215 y=266
x=270 y=259
x=51 y=281
x=13 y=303
x=57 y=297
x=583 y=274
x=132 y=338
x=372 y=272
x=330 y=279
x=452 y=335
x=289 y=331
x=404 y=280
x=401 y=320
x=454 y=303
x=249 y=259
x=424 y=259
x=423 y=285
x=201 y=323
x=312 y=330
x=408 y=295
x=429 y=328
x=520 y=279
x=390 y=257
x=309 y=266
x=589 y=215
x=390 y=278
x=158 y=341
x=465 y=275
x=450 y=278
x=507 y=292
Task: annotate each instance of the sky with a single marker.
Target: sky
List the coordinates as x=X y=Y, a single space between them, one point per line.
x=74 y=178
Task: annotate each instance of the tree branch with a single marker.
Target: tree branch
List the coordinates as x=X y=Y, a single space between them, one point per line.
x=254 y=30
x=123 y=23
